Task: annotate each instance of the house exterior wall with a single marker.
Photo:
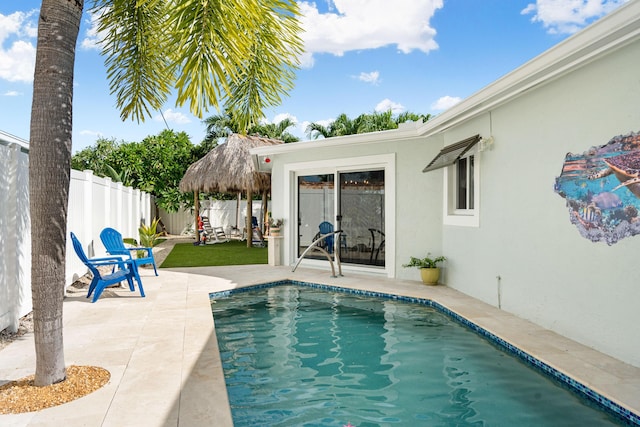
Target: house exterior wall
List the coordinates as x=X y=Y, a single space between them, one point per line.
x=420 y=216
x=524 y=256
x=549 y=273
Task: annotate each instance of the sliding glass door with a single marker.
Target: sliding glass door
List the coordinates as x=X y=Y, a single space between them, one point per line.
x=361 y=207
x=359 y=212
x=316 y=195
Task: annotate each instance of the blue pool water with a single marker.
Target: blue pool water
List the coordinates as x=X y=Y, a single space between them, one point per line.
x=300 y=356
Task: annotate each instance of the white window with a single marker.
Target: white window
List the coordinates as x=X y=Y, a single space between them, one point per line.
x=464 y=184
x=461 y=192
x=461 y=182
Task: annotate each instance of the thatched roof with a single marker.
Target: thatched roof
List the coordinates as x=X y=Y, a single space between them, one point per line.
x=228 y=168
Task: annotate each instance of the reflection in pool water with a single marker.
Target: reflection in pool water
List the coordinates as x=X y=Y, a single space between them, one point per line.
x=296 y=355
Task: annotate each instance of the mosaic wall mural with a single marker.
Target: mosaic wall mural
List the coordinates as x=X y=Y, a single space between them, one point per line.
x=602 y=189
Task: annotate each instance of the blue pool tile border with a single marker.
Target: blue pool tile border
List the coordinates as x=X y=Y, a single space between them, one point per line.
x=576 y=386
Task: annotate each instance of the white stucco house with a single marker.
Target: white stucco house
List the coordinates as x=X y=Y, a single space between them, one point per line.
x=479 y=184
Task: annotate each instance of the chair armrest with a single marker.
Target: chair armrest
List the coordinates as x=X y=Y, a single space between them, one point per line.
x=98 y=262
x=108 y=258
x=149 y=250
x=139 y=248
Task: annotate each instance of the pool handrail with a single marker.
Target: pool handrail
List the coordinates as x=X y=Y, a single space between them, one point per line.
x=314 y=245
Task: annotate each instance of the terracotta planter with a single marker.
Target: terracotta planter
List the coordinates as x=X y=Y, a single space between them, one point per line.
x=274 y=231
x=430 y=276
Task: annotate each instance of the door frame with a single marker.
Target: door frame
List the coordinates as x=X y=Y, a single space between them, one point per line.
x=333 y=166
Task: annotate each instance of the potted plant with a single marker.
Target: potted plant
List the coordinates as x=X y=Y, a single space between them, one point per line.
x=275 y=225
x=429 y=270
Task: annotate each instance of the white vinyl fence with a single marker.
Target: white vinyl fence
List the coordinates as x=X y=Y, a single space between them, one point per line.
x=94 y=203
x=15 y=231
x=222 y=213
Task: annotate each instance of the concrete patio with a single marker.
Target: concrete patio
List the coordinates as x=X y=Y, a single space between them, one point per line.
x=163 y=355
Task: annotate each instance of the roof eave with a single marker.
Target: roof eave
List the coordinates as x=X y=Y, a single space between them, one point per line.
x=611 y=32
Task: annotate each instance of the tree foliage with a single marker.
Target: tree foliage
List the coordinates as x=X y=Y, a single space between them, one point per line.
x=364 y=123
x=155 y=165
x=222 y=125
x=240 y=52
x=243 y=51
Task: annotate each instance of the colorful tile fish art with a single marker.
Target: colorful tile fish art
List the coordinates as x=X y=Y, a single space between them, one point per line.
x=602 y=189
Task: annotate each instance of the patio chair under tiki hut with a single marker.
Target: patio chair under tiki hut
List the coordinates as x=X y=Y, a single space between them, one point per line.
x=228 y=168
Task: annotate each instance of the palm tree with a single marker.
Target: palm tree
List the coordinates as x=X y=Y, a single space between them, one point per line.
x=364 y=123
x=276 y=130
x=316 y=130
x=342 y=125
x=219 y=126
x=376 y=121
x=241 y=50
x=408 y=116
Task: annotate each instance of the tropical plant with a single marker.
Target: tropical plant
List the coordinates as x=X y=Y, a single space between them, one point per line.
x=275 y=130
x=155 y=165
x=96 y=157
x=275 y=222
x=219 y=126
x=206 y=50
x=149 y=236
x=118 y=176
x=426 y=262
x=223 y=125
x=364 y=123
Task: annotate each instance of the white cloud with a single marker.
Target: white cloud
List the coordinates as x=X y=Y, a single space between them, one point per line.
x=172 y=117
x=387 y=104
x=445 y=103
x=372 y=77
x=567 y=17
x=92 y=38
x=368 y=24
x=12 y=93
x=94 y=133
x=18 y=59
x=280 y=117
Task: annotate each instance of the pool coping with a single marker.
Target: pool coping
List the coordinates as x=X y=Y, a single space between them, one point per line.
x=567 y=380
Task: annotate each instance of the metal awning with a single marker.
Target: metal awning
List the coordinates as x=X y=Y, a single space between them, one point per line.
x=450 y=154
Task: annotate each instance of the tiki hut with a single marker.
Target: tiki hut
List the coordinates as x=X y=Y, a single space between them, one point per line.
x=229 y=168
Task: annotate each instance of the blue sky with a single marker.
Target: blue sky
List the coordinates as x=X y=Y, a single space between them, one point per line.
x=361 y=56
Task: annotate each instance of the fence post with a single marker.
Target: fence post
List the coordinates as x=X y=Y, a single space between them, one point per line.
x=118 y=212
x=135 y=211
x=11 y=244
x=87 y=209
x=108 y=216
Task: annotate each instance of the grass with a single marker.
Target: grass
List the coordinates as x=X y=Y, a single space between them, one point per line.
x=229 y=253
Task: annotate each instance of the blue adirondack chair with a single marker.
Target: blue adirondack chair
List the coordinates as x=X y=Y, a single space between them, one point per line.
x=112 y=241
x=101 y=281
x=325 y=228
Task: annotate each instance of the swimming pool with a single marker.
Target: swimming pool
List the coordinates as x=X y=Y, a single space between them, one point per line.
x=320 y=356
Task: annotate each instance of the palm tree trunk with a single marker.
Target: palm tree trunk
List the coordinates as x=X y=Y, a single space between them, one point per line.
x=49 y=175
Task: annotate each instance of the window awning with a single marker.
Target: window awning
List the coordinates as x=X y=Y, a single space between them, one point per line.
x=448 y=155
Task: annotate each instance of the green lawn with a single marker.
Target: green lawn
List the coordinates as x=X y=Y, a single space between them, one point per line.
x=229 y=253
